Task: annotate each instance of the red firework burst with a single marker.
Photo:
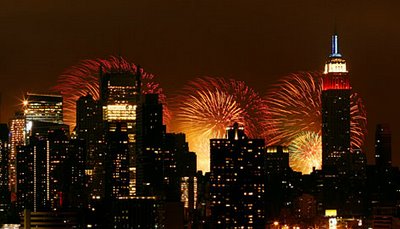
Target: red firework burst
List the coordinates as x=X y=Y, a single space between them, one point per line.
x=83 y=78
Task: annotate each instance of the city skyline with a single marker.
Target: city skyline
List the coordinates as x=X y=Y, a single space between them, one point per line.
x=262 y=46
x=199 y=114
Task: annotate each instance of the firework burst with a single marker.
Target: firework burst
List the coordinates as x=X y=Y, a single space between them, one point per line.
x=305 y=152
x=206 y=106
x=83 y=79
x=295 y=107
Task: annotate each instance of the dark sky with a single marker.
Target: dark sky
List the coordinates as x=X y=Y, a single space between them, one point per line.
x=257 y=41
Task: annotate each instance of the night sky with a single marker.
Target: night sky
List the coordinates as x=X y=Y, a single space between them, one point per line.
x=257 y=41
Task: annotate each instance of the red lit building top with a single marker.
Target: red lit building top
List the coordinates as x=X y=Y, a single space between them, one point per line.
x=335 y=74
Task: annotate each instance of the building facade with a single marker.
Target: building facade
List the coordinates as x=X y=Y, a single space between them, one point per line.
x=237 y=180
x=335 y=100
x=43 y=107
x=383 y=146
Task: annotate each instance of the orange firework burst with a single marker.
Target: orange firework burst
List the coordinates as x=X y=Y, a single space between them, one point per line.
x=206 y=106
x=305 y=152
x=295 y=108
x=83 y=79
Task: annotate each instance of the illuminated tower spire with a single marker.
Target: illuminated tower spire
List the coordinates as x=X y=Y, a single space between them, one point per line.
x=336 y=74
x=335 y=46
x=335 y=100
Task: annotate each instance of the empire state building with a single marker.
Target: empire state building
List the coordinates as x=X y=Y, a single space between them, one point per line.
x=335 y=99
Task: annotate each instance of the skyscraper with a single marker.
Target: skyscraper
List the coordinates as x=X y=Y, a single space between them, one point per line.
x=383 y=146
x=342 y=169
x=120 y=96
x=237 y=180
x=335 y=100
x=43 y=107
x=89 y=129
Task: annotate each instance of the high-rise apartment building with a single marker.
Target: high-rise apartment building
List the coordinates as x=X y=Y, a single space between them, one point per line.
x=237 y=180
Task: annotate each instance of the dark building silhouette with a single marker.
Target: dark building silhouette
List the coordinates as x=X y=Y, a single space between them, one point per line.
x=116 y=163
x=383 y=180
x=75 y=181
x=383 y=146
x=42 y=172
x=165 y=167
x=281 y=186
x=5 y=196
x=89 y=131
x=88 y=120
x=335 y=98
x=343 y=168
x=277 y=160
x=237 y=180
x=136 y=212
x=151 y=142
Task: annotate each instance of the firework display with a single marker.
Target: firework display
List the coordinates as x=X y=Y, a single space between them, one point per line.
x=295 y=108
x=306 y=152
x=206 y=106
x=83 y=79
x=289 y=115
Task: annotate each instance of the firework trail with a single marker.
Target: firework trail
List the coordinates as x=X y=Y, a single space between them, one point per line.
x=206 y=106
x=83 y=79
x=306 y=152
x=295 y=107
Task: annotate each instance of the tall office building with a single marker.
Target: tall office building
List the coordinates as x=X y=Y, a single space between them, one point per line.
x=383 y=146
x=88 y=119
x=35 y=108
x=89 y=129
x=116 y=163
x=237 y=180
x=151 y=142
x=343 y=168
x=43 y=107
x=120 y=96
x=335 y=99
x=44 y=174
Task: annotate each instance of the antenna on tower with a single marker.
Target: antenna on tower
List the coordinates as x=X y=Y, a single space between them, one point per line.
x=335 y=44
